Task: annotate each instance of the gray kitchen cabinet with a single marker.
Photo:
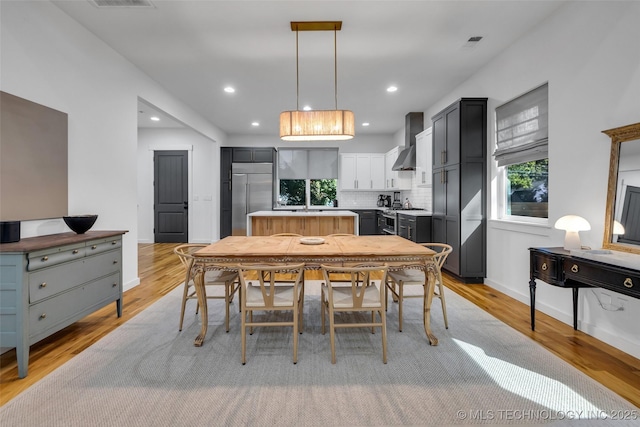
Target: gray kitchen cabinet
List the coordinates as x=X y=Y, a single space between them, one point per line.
x=49 y=282
x=459 y=182
x=253 y=155
x=367 y=222
x=415 y=228
x=380 y=222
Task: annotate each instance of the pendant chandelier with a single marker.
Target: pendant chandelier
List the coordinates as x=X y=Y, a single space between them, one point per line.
x=317 y=125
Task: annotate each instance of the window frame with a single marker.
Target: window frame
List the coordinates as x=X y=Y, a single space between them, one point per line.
x=501 y=187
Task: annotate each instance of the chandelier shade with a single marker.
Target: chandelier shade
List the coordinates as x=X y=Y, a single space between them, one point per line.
x=319 y=125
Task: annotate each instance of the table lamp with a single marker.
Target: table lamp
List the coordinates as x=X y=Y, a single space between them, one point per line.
x=572 y=224
x=618 y=228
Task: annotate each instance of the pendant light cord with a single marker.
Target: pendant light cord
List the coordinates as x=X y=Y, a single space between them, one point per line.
x=335 y=64
x=297 y=76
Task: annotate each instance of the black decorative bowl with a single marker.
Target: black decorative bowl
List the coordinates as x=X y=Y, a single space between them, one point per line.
x=80 y=223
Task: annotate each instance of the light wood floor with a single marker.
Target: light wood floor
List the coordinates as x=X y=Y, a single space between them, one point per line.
x=160 y=272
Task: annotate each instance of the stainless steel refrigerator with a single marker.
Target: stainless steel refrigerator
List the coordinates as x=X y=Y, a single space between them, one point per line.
x=252 y=189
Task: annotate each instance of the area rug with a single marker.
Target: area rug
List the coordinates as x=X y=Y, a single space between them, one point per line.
x=147 y=373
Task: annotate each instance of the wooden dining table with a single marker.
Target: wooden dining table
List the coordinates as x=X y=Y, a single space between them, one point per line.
x=395 y=251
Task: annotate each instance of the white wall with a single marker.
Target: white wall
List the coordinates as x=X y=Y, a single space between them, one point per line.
x=203 y=191
x=588 y=52
x=50 y=59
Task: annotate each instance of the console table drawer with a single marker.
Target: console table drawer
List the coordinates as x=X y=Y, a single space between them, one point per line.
x=66 y=306
x=611 y=278
x=51 y=281
x=547 y=268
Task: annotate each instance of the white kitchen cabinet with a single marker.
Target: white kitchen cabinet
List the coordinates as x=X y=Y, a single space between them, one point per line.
x=395 y=180
x=362 y=171
x=423 y=158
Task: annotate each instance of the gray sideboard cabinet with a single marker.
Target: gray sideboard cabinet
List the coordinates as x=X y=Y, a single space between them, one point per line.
x=50 y=282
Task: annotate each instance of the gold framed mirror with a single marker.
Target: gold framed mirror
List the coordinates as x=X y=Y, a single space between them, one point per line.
x=624 y=183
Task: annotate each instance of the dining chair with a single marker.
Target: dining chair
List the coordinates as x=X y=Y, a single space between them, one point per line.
x=365 y=294
x=397 y=280
x=226 y=279
x=262 y=291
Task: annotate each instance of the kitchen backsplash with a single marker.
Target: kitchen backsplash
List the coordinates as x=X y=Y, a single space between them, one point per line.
x=418 y=196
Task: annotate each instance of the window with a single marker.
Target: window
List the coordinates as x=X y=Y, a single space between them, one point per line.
x=522 y=152
x=307 y=176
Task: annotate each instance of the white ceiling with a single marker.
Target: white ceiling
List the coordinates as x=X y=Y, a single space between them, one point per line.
x=196 y=48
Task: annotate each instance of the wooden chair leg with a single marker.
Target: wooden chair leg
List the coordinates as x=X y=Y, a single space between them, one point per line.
x=322 y=314
x=227 y=301
x=184 y=305
x=400 y=303
x=442 y=301
x=243 y=338
x=384 y=336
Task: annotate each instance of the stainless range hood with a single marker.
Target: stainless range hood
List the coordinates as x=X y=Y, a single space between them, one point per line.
x=414 y=124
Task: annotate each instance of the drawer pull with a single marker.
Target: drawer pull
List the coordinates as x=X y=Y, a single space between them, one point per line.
x=115 y=262
x=114 y=285
x=43 y=284
x=544 y=266
x=628 y=282
x=574 y=268
x=43 y=315
x=114 y=243
x=45 y=258
x=75 y=251
x=93 y=247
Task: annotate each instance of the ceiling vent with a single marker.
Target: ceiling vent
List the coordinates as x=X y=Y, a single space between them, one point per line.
x=471 y=43
x=122 y=3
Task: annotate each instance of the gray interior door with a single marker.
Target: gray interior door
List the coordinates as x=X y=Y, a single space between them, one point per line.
x=171 y=197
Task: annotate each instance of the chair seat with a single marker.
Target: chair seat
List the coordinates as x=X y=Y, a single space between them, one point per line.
x=219 y=276
x=283 y=296
x=342 y=296
x=408 y=276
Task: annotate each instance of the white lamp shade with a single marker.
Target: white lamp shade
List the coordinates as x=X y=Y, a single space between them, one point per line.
x=572 y=224
x=317 y=125
x=618 y=228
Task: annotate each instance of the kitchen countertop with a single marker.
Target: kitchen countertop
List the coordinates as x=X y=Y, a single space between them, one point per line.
x=312 y=212
x=414 y=212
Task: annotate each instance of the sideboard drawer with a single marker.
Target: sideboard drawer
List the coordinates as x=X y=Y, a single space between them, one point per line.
x=547 y=268
x=65 y=307
x=614 y=279
x=45 y=283
x=50 y=257
x=104 y=245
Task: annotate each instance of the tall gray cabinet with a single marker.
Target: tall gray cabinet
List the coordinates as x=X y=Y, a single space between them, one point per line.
x=459 y=135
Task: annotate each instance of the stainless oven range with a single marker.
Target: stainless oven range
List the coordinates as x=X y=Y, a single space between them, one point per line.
x=391 y=219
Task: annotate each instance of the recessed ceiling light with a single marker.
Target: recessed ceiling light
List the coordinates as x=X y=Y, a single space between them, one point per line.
x=229 y=89
x=365 y=124
x=306 y=108
x=392 y=89
x=155 y=119
x=255 y=124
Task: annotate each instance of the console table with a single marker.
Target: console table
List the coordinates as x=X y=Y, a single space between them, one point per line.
x=49 y=282
x=558 y=267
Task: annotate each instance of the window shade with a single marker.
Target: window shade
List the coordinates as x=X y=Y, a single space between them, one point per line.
x=522 y=128
x=308 y=163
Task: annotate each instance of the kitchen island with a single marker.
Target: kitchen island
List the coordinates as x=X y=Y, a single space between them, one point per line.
x=307 y=223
